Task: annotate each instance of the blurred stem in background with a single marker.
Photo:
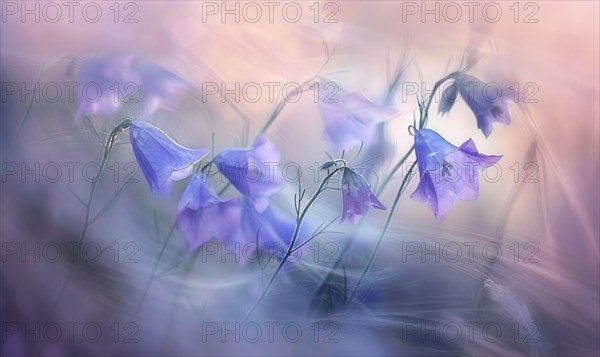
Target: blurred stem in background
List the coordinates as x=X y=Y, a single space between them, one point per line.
x=30 y=104
x=271 y=118
x=401 y=190
x=300 y=214
x=424 y=117
x=112 y=139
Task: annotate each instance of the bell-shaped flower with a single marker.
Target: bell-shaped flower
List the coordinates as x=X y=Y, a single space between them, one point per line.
x=449 y=96
x=357 y=196
x=447 y=172
x=274 y=226
x=202 y=215
x=489 y=103
x=253 y=171
x=162 y=160
x=350 y=118
x=102 y=80
x=109 y=82
x=271 y=226
x=159 y=87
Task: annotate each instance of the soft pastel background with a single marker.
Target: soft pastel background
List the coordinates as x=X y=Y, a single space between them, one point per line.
x=559 y=213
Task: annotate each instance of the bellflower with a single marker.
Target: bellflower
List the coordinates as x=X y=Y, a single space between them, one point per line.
x=490 y=104
x=272 y=227
x=102 y=77
x=275 y=227
x=159 y=87
x=437 y=160
x=162 y=160
x=252 y=171
x=350 y=119
x=202 y=215
x=449 y=96
x=111 y=81
x=357 y=196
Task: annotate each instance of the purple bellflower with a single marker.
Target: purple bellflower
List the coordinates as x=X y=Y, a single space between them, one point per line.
x=202 y=215
x=350 y=119
x=159 y=87
x=447 y=172
x=357 y=196
x=106 y=75
x=252 y=171
x=271 y=226
x=162 y=160
x=274 y=226
x=126 y=79
x=491 y=107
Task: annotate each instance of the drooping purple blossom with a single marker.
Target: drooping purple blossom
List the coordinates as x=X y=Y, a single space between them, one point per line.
x=101 y=79
x=449 y=96
x=447 y=172
x=274 y=226
x=202 y=215
x=357 y=196
x=162 y=160
x=159 y=87
x=109 y=82
x=489 y=103
x=253 y=171
x=350 y=118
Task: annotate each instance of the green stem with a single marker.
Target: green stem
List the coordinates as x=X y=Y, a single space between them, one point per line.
x=387 y=179
x=385 y=228
x=270 y=120
x=290 y=249
x=281 y=105
x=114 y=135
x=395 y=169
x=422 y=123
x=436 y=86
x=153 y=275
x=30 y=104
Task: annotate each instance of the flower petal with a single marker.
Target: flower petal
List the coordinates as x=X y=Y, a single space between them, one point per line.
x=449 y=96
x=350 y=119
x=447 y=173
x=253 y=170
x=161 y=160
x=489 y=110
x=357 y=196
x=202 y=215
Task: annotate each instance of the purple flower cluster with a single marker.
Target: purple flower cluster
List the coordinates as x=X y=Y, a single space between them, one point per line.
x=488 y=110
x=202 y=215
x=127 y=79
x=446 y=172
x=352 y=119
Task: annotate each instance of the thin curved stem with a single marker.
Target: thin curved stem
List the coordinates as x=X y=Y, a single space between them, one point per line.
x=424 y=111
x=153 y=275
x=290 y=249
x=270 y=120
x=279 y=108
x=113 y=137
x=422 y=124
x=395 y=169
x=401 y=190
x=30 y=104
x=387 y=179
